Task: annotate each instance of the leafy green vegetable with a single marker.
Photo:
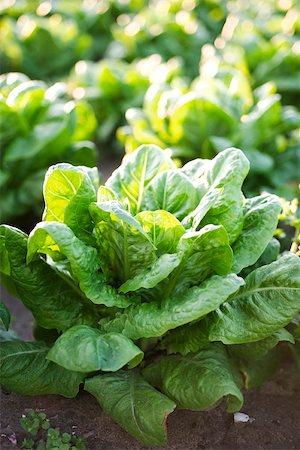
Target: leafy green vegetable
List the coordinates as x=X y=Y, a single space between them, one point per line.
x=39 y=128
x=151 y=266
x=220 y=109
x=196 y=381
x=86 y=349
x=271 y=290
x=133 y=403
x=25 y=370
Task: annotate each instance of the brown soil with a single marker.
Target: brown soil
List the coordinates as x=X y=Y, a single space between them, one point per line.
x=275 y=408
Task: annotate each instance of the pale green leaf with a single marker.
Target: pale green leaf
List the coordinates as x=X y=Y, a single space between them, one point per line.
x=86 y=349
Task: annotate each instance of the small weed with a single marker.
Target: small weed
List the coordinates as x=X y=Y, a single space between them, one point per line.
x=44 y=437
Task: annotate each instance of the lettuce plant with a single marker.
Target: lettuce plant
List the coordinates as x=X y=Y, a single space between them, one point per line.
x=170 y=28
x=217 y=110
x=38 y=128
x=143 y=281
x=112 y=85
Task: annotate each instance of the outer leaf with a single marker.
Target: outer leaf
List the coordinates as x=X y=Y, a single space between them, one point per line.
x=125 y=248
x=257 y=350
x=53 y=302
x=86 y=349
x=4 y=315
x=260 y=222
x=197 y=381
x=149 y=278
x=171 y=191
x=25 y=370
x=163 y=229
x=136 y=172
x=268 y=301
x=134 y=404
x=153 y=319
x=227 y=171
x=48 y=237
x=68 y=192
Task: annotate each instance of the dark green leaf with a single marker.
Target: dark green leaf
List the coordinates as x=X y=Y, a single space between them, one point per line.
x=197 y=381
x=25 y=370
x=268 y=301
x=134 y=404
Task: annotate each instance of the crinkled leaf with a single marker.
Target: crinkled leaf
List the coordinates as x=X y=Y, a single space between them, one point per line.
x=259 y=225
x=163 y=229
x=134 y=404
x=257 y=350
x=188 y=338
x=53 y=302
x=51 y=237
x=4 y=315
x=149 y=278
x=125 y=249
x=86 y=349
x=136 y=172
x=154 y=319
x=203 y=252
x=268 y=301
x=25 y=370
x=68 y=192
x=171 y=191
x=197 y=381
x=227 y=171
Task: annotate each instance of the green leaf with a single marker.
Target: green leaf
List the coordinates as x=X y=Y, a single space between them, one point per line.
x=227 y=171
x=86 y=349
x=53 y=301
x=149 y=278
x=197 y=381
x=25 y=370
x=134 y=404
x=195 y=119
x=260 y=222
x=154 y=319
x=136 y=172
x=188 y=338
x=268 y=301
x=257 y=350
x=125 y=249
x=202 y=253
x=51 y=237
x=4 y=315
x=171 y=191
x=258 y=372
x=163 y=229
x=68 y=192
x=193 y=219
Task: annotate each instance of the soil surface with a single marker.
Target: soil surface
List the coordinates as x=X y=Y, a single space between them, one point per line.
x=275 y=408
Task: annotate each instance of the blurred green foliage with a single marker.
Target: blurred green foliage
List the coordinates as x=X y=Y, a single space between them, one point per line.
x=38 y=128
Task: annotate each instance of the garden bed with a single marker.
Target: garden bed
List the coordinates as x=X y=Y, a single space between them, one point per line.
x=275 y=408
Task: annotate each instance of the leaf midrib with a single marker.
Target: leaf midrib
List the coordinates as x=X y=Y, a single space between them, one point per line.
x=269 y=288
x=25 y=352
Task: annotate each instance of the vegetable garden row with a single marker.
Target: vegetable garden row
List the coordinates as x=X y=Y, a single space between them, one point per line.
x=176 y=281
